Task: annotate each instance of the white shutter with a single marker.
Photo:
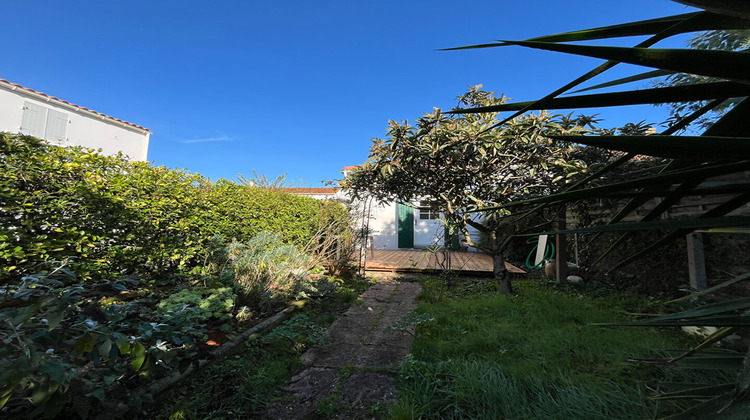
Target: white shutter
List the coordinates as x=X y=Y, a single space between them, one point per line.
x=34 y=118
x=57 y=126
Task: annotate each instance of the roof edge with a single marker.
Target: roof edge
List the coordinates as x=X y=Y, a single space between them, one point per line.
x=14 y=87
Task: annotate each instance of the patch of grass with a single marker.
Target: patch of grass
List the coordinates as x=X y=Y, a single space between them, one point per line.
x=534 y=354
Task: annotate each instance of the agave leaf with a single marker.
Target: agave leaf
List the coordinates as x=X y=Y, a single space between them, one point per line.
x=727 y=65
x=725 y=7
x=701 y=392
x=686 y=93
x=706 y=310
x=713 y=361
x=714 y=338
x=684 y=189
x=635 y=78
x=706 y=321
x=725 y=230
x=688 y=24
x=704 y=410
x=743 y=381
x=675 y=147
x=729 y=188
x=700 y=21
x=662 y=179
x=720 y=210
x=720 y=286
x=654 y=225
x=733 y=123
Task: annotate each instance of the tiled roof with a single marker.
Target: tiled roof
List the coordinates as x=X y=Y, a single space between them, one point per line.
x=17 y=86
x=349 y=168
x=310 y=190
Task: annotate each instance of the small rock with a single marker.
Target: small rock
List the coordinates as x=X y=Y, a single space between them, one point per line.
x=575 y=279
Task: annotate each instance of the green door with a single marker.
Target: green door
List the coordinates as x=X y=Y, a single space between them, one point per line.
x=405 y=226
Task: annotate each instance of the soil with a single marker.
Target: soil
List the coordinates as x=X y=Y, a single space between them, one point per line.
x=353 y=374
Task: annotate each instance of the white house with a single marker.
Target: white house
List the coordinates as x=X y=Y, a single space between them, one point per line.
x=26 y=111
x=392 y=225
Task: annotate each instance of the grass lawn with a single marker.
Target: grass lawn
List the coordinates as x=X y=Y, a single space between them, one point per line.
x=534 y=354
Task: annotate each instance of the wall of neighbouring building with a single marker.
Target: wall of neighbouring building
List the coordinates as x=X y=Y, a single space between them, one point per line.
x=30 y=113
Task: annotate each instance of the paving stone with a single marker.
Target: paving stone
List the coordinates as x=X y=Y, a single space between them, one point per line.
x=364 y=387
x=331 y=355
x=381 y=356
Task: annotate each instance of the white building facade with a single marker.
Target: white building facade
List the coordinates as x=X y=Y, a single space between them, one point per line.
x=26 y=111
x=394 y=225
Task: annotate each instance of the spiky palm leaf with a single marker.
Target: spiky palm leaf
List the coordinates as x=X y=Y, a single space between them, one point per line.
x=722 y=149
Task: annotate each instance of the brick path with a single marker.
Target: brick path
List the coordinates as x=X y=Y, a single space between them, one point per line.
x=356 y=365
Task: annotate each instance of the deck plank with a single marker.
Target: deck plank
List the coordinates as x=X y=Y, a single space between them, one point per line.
x=421 y=260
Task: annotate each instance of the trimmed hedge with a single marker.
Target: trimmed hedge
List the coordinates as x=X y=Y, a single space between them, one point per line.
x=115 y=217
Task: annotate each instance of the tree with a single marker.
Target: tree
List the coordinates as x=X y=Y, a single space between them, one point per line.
x=465 y=161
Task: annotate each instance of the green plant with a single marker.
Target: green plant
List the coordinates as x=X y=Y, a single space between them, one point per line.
x=198 y=304
x=116 y=217
x=533 y=355
x=412 y=319
x=300 y=331
x=696 y=162
x=61 y=344
x=465 y=160
x=265 y=266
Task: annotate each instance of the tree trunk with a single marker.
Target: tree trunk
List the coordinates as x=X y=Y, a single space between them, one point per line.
x=502 y=276
x=495 y=250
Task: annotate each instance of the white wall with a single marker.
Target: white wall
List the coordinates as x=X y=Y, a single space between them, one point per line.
x=82 y=129
x=384 y=225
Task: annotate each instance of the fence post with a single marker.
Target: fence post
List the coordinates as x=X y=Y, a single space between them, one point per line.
x=696 y=261
x=561 y=251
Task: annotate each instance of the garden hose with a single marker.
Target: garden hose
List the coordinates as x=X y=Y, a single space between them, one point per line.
x=549 y=252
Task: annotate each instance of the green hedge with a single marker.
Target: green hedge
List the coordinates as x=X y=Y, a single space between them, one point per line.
x=115 y=217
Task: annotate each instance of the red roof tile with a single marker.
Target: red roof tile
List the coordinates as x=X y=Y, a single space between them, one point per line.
x=349 y=168
x=310 y=190
x=71 y=104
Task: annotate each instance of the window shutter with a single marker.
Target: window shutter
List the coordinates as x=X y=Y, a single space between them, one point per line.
x=34 y=117
x=57 y=126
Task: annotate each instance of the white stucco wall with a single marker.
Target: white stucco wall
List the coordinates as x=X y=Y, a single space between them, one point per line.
x=384 y=225
x=383 y=220
x=83 y=128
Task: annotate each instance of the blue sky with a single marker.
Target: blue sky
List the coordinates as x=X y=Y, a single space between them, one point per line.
x=293 y=87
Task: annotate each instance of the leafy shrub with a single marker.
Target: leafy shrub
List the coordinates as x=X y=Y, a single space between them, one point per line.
x=60 y=341
x=119 y=217
x=199 y=303
x=264 y=265
x=300 y=331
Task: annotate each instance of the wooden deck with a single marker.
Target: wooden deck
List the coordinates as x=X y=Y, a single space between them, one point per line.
x=406 y=260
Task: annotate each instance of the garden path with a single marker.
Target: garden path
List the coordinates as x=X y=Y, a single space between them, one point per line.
x=353 y=373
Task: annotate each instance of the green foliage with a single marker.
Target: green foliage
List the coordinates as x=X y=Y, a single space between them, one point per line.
x=713 y=62
x=198 y=304
x=300 y=331
x=71 y=220
x=466 y=161
x=530 y=355
x=240 y=386
x=236 y=387
x=61 y=341
x=119 y=217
